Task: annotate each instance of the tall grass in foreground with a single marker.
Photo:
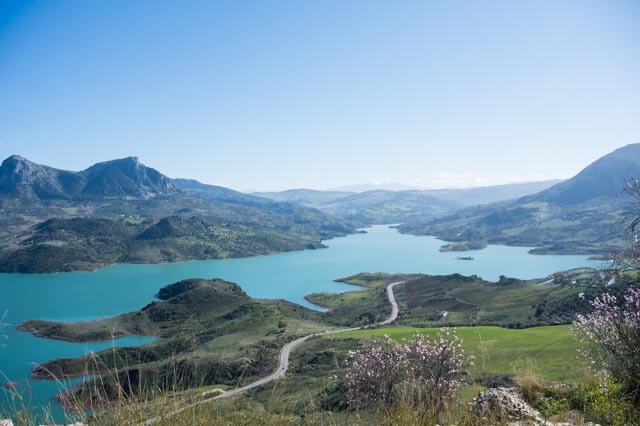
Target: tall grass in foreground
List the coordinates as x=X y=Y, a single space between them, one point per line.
x=20 y=408
x=18 y=402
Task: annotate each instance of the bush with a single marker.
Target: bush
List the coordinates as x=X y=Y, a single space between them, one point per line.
x=420 y=373
x=604 y=403
x=612 y=335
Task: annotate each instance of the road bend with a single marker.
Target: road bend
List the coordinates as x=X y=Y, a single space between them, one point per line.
x=285 y=353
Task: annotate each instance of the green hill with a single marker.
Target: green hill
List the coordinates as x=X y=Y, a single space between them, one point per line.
x=211 y=333
x=585 y=214
x=122 y=211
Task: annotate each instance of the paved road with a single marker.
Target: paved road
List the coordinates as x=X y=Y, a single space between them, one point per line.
x=394 y=304
x=285 y=352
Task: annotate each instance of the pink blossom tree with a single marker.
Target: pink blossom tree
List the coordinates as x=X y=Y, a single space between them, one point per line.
x=611 y=333
x=422 y=373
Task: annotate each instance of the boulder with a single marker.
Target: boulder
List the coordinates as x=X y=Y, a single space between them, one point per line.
x=504 y=405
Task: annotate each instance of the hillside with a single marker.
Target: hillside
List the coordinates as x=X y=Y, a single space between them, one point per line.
x=211 y=333
x=306 y=197
x=470 y=300
x=386 y=206
x=89 y=243
x=491 y=194
x=377 y=207
x=125 y=177
x=122 y=211
x=214 y=336
x=585 y=214
x=604 y=178
x=371 y=207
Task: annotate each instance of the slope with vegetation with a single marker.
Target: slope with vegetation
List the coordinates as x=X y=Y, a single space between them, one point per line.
x=214 y=336
x=585 y=214
x=122 y=211
x=211 y=333
x=385 y=206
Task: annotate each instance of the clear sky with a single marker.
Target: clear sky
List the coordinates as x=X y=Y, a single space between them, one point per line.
x=283 y=94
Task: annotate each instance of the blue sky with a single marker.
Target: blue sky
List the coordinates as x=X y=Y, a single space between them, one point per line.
x=283 y=94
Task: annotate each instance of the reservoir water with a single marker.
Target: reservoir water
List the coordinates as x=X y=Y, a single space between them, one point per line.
x=78 y=296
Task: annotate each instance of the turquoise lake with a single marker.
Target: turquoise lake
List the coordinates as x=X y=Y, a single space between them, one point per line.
x=79 y=296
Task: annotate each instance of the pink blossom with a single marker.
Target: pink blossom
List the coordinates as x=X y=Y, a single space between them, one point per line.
x=421 y=372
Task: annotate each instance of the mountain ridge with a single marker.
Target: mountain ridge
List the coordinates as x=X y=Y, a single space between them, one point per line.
x=582 y=215
x=121 y=211
x=385 y=206
x=595 y=180
x=125 y=177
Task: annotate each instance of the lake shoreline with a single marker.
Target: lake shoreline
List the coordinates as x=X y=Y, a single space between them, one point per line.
x=122 y=288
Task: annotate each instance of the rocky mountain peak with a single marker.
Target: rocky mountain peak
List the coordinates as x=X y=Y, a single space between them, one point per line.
x=125 y=177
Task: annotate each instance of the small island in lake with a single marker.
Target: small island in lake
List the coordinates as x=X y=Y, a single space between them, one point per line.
x=463 y=246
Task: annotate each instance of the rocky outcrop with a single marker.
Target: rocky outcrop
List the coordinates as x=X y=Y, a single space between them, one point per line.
x=126 y=177
x=505 y=405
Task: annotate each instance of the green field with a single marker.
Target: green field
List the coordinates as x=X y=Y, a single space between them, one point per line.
x=551 y=353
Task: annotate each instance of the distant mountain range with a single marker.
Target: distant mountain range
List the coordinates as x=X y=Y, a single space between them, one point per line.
x=384 y=186
x=397 y=186
x=123 y=211
x=585 y=214
x=385 y=206
x=491 y=194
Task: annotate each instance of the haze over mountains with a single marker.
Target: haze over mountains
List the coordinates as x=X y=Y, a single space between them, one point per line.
x=585 y=214
x=386 y=206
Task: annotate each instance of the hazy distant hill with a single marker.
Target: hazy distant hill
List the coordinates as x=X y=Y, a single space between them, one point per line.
x=306 y=197
x=385 y=186
x=371 y=207
x=122 y=211
x=585 y=214
x=218 y=193
x=384 y=206
x=389 y=206
x=491 y=194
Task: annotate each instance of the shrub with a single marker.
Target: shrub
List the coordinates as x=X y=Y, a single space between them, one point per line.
x=420 y=373
x=612 y=335
x=604 y=403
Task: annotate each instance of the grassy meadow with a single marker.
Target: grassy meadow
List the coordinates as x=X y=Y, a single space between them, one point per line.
x=550 y=352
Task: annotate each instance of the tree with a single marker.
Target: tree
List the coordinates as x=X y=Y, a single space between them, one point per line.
x=630 y=259
x=611 y=333
x=418 y=372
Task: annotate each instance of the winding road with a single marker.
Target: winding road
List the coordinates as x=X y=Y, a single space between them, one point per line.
x=285 y=353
